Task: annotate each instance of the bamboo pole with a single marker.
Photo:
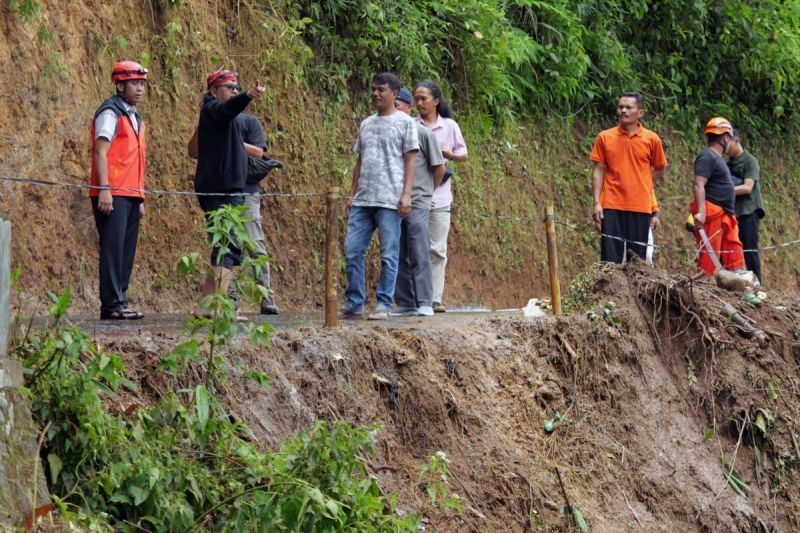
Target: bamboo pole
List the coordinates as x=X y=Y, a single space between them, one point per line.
x=552 y=259
x=333 y=197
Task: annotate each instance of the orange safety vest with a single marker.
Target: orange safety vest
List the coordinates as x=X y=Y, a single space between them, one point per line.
x=126 y=157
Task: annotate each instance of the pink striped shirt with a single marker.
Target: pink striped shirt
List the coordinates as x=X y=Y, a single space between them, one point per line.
x=448 y=134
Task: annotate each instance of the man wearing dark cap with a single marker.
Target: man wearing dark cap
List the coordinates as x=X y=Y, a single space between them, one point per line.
x=413 y=291
x=222 y=160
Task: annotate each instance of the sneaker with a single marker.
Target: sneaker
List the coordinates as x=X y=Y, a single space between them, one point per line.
x=346 y=313
x=438 y=307
x=379 y=313
x=425 y=310
x=404 y=311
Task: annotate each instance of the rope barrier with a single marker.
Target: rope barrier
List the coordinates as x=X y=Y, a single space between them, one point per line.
x=515 y=218
x=40 y=182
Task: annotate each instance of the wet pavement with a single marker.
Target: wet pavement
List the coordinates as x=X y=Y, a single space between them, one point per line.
x=168 y=324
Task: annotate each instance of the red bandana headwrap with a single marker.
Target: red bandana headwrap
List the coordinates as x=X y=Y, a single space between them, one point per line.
x=221 y=77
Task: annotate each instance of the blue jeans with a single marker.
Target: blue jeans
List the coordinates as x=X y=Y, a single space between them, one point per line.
x=361 y=224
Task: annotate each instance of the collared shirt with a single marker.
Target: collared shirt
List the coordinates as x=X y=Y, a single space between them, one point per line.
x=746 y=167
x=105 y=125
x=629 y=162
x=448 y=134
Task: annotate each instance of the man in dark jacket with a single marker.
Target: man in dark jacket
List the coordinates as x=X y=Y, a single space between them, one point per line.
x=255 y=146
x=222 y=161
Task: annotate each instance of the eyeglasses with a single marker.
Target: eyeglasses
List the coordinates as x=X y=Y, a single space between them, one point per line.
x=139 y=71
x=236 y=88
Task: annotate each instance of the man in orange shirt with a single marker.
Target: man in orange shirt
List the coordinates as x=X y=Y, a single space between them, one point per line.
x=117 y=186
x=627 y=158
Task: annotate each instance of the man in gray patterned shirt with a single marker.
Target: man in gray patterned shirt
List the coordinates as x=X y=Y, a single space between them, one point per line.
x=383 y=178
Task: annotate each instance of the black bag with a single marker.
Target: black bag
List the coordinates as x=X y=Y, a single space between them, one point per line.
x=257 y=169
x=448 y=173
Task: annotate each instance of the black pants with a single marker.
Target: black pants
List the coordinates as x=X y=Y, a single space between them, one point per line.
x=625 y=225
x=748 y=234
x=118 y=232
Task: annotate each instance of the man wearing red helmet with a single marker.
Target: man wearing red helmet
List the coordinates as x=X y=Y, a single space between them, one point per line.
x=117 y=186
x=714 y=201
x=222 y=160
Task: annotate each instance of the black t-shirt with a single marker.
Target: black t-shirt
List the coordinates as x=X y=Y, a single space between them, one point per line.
x=252 y=133
x=719 y=187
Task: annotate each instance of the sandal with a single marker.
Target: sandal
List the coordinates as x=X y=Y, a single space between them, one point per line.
x=122 y=314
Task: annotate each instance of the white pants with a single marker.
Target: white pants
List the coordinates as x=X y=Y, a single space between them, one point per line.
x=439 y=228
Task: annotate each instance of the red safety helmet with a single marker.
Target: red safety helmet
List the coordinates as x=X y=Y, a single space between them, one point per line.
x=127 y=71
x=221 y=77
x=718 y=126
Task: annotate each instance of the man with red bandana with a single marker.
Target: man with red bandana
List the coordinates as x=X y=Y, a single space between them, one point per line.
x=117 y=186
x=222 y=160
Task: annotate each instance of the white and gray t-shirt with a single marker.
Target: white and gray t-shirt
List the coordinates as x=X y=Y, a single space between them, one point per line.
x=381 y=143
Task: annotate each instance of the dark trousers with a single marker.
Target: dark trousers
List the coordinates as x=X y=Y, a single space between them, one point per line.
x=625 y=225
x=748 y=234
x=414 y=287
x=118 y=232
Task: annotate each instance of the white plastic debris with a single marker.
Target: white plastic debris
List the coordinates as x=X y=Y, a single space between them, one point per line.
x=532 y=310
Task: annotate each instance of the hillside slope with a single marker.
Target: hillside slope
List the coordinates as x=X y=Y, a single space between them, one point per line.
x=652 y=384
x=57 y=62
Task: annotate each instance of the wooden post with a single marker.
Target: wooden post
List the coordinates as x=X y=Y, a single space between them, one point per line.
x=5 y=281
x=552 y=259
x=331 y=238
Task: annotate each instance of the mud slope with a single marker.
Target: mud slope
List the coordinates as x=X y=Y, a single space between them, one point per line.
x=634 y=444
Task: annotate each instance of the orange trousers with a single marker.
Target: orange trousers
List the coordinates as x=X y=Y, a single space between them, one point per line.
x=723 y=233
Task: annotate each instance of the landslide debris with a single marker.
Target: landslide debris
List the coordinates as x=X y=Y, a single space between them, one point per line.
x=672 y=417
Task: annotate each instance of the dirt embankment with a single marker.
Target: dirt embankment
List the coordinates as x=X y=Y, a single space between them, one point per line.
x=652 y=389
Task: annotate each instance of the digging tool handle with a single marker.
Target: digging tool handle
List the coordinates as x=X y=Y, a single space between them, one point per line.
x=707 y=243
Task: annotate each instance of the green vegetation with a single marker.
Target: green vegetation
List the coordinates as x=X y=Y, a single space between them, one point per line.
x=182 y=464
x=728 y=57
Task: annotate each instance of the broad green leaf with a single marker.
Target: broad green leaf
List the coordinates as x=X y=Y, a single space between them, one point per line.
x=579 y=520
x=202 y=405
x=60 y=307
x=55 y=467
x=139 y=494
